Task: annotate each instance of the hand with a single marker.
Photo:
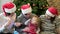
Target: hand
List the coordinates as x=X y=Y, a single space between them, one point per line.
x=17 y=24
x=26 y=29
x=8 y=22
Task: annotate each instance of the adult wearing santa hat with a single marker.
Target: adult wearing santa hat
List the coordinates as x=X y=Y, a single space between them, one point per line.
x=48 y=24
x=22 y=19
x=8 y=16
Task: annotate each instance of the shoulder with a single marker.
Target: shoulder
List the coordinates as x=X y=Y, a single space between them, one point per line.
x=57 y=18
x=20 y=16
x=42 y=16
x=57 y=21
x=3 y=18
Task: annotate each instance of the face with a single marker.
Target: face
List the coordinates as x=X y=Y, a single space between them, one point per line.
x=48 y=17
x=34 y=20
x=27 y=15
x=10 y=14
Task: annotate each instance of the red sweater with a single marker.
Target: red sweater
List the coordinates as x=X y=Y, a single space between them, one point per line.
x=32 y=28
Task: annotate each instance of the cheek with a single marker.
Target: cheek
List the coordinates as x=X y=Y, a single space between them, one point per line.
x=33 y=22
x=48 y=17
x=27 y=16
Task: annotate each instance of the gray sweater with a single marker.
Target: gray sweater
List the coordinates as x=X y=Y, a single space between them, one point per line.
x=22 y=19
x=47 y=26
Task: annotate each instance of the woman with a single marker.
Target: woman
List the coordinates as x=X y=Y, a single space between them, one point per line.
x=48 y=26
x=8 y=16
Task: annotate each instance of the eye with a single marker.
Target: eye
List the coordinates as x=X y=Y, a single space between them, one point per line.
x=26 y=14
x=8 y=14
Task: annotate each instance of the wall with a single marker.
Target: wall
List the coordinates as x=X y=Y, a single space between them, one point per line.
x=2 y=2
x=55 y=3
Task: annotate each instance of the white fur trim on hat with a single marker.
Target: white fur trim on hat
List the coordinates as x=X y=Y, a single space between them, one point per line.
x=10 y=10
x=25 y=11
x=49 y=13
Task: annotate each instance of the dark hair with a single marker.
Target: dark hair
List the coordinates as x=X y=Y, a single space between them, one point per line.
x=52 y=18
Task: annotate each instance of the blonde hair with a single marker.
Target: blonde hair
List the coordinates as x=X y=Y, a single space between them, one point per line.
x=37 y=18
x=38 y=24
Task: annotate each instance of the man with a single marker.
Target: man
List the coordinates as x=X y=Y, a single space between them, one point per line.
x=57 y=21
x=23 y=18
x=48 y=25
x=8 y=16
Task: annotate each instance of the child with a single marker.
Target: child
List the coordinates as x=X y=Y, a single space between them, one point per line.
x=33 y=25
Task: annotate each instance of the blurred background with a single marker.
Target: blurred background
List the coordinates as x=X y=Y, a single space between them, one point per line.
x=38 y=6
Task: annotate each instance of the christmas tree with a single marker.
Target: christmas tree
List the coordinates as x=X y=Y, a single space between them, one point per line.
x=38 y=6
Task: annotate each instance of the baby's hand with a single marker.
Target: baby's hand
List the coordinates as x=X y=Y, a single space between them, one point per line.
x=26 y=29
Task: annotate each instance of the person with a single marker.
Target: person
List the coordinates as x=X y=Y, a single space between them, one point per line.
x=57 y=21
x=48 y=25
x=32 y=27
x=22 y=19
x=7 y=18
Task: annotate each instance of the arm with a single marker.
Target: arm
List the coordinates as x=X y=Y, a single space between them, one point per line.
x=19 y=18
x=58 y=27
x=30 y=29
x=57 y=21
x=14 y=17
x=11 y=20
x=18 y=21
x=3 y=21
x=27 y=22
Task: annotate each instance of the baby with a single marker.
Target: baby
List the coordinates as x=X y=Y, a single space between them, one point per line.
x=33 y=25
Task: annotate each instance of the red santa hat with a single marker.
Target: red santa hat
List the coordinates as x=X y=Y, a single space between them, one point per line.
x=52 y=11
x=9 y=7
x=26 y=9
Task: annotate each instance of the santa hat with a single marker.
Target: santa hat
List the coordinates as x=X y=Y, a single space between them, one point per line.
x=9 y=7
x=26 y=9
x=52 y=11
